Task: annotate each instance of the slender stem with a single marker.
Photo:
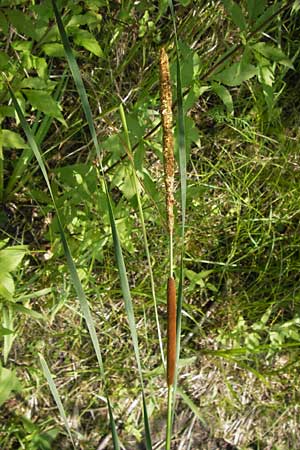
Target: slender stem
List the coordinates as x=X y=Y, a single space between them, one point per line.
x=169 y=418
x=171 y=250
x=1 y=173
x=140 y=208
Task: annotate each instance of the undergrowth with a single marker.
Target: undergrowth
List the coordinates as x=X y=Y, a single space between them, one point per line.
x=238 y=369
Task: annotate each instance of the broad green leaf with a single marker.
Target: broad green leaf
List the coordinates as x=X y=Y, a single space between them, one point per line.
x=85 y=39
x=8 y=383
x=187 y=64
x=255 y=8
x=236 y=14
x=7 y=285
x=4 y=60
x=54 y=50
x=236 y=74
x=224 y=95
x=5 y=331
x=128 y=186
x=3 y=23
x=35 y=83
x=22 y=22
x=42 y=101
x=7 y=322
x=23 y=46
x=11 y=257
x=7 y=111
x=196 y=276
x=273 y=53
x=88 y=18
x=10 y=139
x=266 y=75
x=40 y=65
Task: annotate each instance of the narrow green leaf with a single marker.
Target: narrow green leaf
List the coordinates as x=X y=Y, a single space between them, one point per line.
x=7 y=322
x=236 y=14
x=55 y=395
x=129 y=311
x=71 y=265
x=296 y=6
x=183 y=184
x=11 y=257
x=5 y=331
x=137 y=193
x=189 y=402
x=30 y=312
x=117 y=246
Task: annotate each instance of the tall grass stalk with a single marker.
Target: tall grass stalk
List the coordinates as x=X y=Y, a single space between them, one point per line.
x=116 y=240
x=140 y=208
x=70 y=262
x=183 y=187
x=168 y=152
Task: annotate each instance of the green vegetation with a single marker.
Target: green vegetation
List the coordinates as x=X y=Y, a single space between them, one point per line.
x=85 y=245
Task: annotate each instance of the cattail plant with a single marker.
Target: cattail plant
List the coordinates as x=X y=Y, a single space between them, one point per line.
x=168 y=152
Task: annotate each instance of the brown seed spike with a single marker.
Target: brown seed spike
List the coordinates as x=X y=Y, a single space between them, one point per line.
x=168 y=142
x=171 y=350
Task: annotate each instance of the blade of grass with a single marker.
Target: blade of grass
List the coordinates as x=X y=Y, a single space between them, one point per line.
x=71 y=265
x=1 y=169
x=182 y=170
x=129 y=311
x=55 y=395
x=169 y=172
x=140 y=208
x=117 y=246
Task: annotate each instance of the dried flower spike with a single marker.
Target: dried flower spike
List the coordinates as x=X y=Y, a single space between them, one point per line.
x=168 y=141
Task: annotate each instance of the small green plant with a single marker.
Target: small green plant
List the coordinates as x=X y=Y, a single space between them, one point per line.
x=10 y=304
x=261 y=336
